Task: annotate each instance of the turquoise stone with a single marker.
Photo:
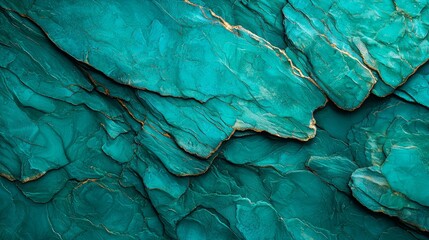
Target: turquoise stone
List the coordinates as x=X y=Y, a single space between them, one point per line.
x=247 y=119
x=363 y=40
x=392 y=154
x=369 y=42
x=204 y=73
x=417 y=87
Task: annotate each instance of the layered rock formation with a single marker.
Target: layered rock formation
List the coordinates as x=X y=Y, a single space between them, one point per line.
x=207 y=119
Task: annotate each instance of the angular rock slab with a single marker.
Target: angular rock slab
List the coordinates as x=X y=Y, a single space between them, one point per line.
x=198 y=56
x=416 y=89
x=352 y=44
x=49 y=116
x=149 y=130
x=337 y=34
x=391 y=147
x=246 y=202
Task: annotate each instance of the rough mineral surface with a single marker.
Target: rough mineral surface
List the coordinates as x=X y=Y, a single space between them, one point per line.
x=229 y=119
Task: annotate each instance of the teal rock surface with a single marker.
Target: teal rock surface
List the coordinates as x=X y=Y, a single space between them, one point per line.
x=199 y=69
x=417 y=87
x=221 y=119
x=393 y=155
x=369 y=42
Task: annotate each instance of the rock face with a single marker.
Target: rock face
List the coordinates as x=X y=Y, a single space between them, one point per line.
x=207 y=119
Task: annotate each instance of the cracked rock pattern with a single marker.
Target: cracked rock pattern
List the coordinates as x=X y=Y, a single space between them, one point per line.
x=229 y=119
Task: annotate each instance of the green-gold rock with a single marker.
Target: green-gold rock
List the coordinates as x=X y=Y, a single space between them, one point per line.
x=248 y=119
x=367 y=41
x=374 y=46
x=204 y=69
